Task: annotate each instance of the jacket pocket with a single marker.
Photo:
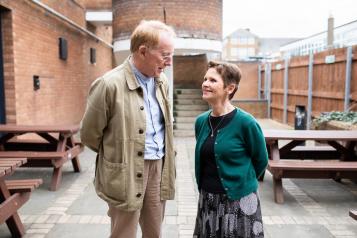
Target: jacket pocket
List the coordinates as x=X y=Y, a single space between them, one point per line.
x=112 y=177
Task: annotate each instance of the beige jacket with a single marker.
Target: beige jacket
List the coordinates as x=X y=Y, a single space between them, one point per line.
x=114 y=126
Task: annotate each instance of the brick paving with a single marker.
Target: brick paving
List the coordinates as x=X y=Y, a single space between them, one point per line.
x=312 y=208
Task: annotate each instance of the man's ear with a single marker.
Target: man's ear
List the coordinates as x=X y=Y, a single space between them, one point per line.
x=142 y=50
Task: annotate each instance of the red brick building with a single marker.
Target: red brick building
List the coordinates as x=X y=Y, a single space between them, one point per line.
x=198 y=25
x=39 y=86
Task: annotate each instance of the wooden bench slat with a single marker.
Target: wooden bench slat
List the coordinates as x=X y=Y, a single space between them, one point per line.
x=32 y=154
x=14 y=159
x=24 y=185
x=14 y=163
x=24 y=181
x=313 y=165
x=313 y=148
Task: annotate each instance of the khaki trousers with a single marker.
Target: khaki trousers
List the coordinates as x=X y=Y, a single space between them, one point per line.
x=124 y=224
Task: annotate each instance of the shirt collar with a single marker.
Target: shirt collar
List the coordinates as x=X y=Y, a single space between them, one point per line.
x=139 y=75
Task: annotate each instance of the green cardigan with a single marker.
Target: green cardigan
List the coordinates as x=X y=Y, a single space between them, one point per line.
x=240 y=153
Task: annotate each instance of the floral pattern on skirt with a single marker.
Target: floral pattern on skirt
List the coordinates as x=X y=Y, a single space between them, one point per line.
x=219 y=217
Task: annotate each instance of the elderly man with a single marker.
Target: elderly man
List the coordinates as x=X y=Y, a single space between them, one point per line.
x=128 y=123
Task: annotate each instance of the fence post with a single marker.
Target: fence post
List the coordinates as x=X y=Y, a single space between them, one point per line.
x=259 y=80
x=286 y=80
x=348 y=78
x=309 y=96
x=269 y=89
x=265 y=80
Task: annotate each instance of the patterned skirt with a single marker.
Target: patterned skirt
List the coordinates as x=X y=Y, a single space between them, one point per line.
x=219 y=217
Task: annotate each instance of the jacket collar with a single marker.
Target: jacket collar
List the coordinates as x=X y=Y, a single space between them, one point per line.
x=131 y=80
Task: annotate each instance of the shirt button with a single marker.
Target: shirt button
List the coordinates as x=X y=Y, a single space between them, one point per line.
x=221 y=179
x=139 y=175
x=140 y=153
x=138 y=195
x=141 y=107
x=141 y=131
x=226 y=189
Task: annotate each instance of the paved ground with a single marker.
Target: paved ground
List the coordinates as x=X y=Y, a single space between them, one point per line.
x=313 y=208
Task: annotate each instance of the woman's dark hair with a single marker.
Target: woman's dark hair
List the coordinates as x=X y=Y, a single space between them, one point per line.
x=230 y=73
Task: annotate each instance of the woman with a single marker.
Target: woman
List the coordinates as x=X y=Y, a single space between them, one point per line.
x=230 y=155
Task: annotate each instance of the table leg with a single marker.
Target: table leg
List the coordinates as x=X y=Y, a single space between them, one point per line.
x=76 y=165
x=56 y=178
x=353 y=214
x=278 y=190
x=277 y=181
x=75 y=161
x=14 y=223
x=9 y=206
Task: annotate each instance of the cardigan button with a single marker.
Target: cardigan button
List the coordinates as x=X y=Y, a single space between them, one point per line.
x=140 y=153
x=139 y=175
x=141 y=107
x=138 y=195
x=141 y=131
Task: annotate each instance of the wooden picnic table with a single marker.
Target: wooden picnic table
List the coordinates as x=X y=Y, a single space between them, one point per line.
x=336 y=160
x=13 y=194
x=55 y=146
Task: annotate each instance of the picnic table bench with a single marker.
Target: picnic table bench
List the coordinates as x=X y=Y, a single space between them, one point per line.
x=54 y=147
x=13 y=194
x=338 y=160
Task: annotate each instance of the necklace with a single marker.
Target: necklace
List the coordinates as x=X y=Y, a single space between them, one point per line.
x=219 y=123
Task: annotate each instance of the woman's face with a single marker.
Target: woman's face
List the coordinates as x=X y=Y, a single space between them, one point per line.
x=213 y=87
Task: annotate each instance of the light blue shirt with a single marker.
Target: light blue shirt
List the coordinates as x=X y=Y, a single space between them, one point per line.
x=155 y=128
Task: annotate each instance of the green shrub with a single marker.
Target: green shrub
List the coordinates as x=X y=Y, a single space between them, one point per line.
x=349 y=117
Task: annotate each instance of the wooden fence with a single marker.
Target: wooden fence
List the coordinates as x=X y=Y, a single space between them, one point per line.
x=321 y=82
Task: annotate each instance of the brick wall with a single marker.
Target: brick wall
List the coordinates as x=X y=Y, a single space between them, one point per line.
x=63 y=84
x=104 y=32
x=194 y=19
x=189 y=71
x=8 y=63
x=96 y=4
x=258 y=108
x=248 y=86
x=69 y=8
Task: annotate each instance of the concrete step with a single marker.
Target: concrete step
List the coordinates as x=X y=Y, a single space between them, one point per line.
x=184 y=133
x=187 y=113
x=184 y=126
x=199 y=107
x=187 y=96
x=185 y=119
x=188 y=91
x=189 y=102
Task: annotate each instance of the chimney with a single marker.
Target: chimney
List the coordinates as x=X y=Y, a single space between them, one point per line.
x=330 y=27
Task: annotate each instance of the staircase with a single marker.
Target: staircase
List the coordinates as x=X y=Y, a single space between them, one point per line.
x=188 y=104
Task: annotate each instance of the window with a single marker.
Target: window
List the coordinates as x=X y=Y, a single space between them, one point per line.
x=234 y=40
x=243 y=40
x=251 y=41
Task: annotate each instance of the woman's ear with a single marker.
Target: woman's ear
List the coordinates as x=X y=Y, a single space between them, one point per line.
x=231 y=88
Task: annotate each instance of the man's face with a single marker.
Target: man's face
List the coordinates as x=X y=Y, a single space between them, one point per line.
x=158 y=58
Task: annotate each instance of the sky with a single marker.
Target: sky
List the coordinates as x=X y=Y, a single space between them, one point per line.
x=286 y=18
